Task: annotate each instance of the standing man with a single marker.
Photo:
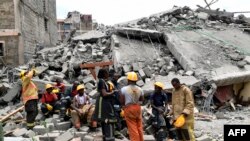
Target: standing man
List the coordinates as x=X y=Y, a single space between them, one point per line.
x=29 y=97
x=159 y=103
x=132 y=97
x=183 y=105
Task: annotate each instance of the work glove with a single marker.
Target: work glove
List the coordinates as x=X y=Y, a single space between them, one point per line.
x=122 y=113
x=49 y=107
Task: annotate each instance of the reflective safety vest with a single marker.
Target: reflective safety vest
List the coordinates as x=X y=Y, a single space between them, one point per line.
x=29 y=89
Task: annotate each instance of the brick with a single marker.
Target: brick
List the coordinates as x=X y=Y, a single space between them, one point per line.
x=20 y=132
x=88 y=138
x=63 y=125
x=148 y=138
x=49 y=136
x=93 y=94
x=67 y=136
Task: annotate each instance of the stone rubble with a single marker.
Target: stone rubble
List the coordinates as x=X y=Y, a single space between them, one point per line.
x=63 y=62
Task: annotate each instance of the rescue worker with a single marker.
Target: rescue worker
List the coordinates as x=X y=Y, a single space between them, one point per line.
x=182 y=110
x=159 y=103
x=132 y=97
x=59 y=85
x=29 y=97
x=50 y=103
x=79 y=101
x=104 y=111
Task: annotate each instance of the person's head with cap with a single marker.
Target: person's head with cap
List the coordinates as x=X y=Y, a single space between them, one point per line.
x=49 y=88
x=103 y=74
x=132 y=78
x=80 y=89
x=158 y=87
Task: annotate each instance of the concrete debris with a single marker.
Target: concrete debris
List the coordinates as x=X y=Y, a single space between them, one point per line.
x=20 y=132
x=66 y=136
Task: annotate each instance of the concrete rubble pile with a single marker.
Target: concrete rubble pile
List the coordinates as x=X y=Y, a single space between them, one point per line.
x=146 y=35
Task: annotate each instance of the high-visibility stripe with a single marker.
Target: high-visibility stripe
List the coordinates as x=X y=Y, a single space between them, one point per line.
x=100 y=106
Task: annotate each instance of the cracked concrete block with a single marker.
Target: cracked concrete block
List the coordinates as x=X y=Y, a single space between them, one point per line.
x=67 y=136
x=39 y=129
x=89 y=79
x=20 y=132
x=126 y=68
x=148 y=138
x=89 y=86
x=88 y=138
x=12 y=93
x=147 y=71
x=81 y=134
x=140 y=83
x=9 y=126
x=93 y=94
x=135 y=67
x=30 y=134
x=63 y=125
x=49 y=137
x=142 y=74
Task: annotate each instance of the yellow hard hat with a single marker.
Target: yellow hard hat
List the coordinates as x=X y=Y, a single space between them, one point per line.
x=159 y=84
x=132 y=76
x=47 y=86
x=122 y=113
x=22 y=73
x=55 y=91
x=180 y=121
x=49 y=107
x=79 y=87
x=111 y=85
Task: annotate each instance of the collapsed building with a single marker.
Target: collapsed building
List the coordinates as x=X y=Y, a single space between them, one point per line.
x=205 y=49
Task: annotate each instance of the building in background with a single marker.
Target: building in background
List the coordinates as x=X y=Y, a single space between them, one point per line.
x=75 y=21
x=23 y=25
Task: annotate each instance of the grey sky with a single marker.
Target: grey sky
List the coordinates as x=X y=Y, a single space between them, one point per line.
x=111 y=12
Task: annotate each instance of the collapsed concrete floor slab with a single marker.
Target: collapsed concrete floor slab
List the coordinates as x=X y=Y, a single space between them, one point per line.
x=211 y=53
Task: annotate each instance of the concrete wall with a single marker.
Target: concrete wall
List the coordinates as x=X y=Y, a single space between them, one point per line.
x=10 y=49
x=32 y=17
x=7 y=17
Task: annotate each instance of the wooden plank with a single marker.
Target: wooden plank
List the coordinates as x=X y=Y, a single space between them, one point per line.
x=93 y=65
x=11 y=114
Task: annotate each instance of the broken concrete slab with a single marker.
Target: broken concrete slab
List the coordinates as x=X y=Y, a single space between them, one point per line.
x=204 y=138
x=137 y=32
x=12 y=93
x=39 y=129
x=140 y=83
x=88 y=138
x=93 y=94
x=148 y=138
x=20 y=132
x=66 y=136
x=135 y=67
x=49 y=136
x=30 y=134
x=126 y=68
x=147 y=71
x=91 y=36
x=63 y=125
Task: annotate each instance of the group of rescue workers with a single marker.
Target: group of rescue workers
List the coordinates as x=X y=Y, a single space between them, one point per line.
x=115 y=108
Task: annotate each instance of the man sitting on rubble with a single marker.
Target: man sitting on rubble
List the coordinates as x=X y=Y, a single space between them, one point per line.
x=159 y=103
x=79 y=101
x=59 y=85
x=50 y=103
